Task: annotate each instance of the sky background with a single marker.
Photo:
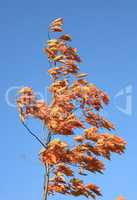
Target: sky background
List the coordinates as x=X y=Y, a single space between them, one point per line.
x=105 y=32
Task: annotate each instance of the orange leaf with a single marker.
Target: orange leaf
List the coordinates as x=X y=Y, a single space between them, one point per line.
x=65 y=37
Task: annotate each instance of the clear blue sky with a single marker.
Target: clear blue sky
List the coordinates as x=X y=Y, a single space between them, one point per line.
x=105 y=32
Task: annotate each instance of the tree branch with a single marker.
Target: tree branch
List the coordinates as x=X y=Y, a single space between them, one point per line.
x=34 y=135
x=46 y=182
x=47 y=171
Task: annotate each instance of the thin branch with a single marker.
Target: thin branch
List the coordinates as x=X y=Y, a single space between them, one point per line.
x=34 y=135
x=49 y=37
x=48 y=138
x=46 y=178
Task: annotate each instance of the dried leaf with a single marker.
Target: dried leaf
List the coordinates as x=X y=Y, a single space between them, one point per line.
x=65 y=37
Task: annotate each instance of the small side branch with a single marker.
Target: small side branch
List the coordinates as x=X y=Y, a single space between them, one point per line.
x=46 y=178
x=34 y=135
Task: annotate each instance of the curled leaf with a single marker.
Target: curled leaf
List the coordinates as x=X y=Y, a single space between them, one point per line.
x=65 y=37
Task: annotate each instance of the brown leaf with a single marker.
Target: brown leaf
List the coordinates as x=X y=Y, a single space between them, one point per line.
x=65 y=37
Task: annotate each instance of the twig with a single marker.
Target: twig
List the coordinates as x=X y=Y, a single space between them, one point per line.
x=34 y=135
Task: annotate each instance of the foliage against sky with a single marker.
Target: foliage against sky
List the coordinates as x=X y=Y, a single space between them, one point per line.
x=76 y=104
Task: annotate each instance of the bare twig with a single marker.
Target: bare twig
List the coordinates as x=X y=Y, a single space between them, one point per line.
x=34 y=135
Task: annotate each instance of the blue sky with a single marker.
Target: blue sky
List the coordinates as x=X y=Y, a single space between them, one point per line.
x=105 y=32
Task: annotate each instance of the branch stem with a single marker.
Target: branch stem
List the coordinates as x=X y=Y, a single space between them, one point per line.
x=46 y=182
x=47 y=172
x=34 y=135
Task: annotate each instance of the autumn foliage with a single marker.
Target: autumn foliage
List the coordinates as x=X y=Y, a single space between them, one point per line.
x=74 y=116
x=120 y=198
